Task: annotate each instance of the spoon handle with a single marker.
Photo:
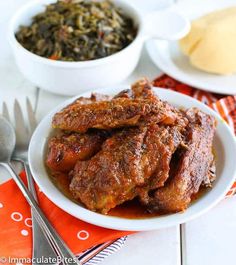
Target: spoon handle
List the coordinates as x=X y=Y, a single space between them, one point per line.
x=66 y=255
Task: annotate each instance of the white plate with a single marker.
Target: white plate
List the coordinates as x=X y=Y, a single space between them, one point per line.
x=168 y=57
x=224 y=145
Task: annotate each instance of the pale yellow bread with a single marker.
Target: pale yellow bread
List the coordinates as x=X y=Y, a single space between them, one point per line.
x=211 y=43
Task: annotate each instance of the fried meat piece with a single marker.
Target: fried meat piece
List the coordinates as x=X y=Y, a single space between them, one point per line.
x=109 y=178
x=143 y=89
x=121 y=111
x=167 y=141
x=66 y=149
x=192 y=167
x=116 y=113
x=95 y=97
x=122 y=169
x=140 y=89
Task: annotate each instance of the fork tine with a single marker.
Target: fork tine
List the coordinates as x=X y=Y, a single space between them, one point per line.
x=31 y=116
x=5 y=112
x=20 y=128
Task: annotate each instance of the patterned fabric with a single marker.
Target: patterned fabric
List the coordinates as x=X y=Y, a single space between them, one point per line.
x=98 y=253
x=15 y=224
x=224 y=105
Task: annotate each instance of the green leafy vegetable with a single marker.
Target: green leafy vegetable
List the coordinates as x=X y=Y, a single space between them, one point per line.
x=78 y=31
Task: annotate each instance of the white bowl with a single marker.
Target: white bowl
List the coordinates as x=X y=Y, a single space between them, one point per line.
x=224 y=145
x=71 y=78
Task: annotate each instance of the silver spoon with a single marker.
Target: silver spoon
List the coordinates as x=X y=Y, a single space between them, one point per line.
x=7 y=146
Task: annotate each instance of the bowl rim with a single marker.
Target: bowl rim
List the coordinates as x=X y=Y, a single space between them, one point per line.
x=197 y=208
x=74 y=64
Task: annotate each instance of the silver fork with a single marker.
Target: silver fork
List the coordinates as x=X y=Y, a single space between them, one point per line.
x=41 y=243
x=46 y=241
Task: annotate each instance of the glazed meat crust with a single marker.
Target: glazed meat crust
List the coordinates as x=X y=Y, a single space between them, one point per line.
x=122 y=169
x=95 y=97
x=119 y=112
x=110 y=177
x=167 y=140
x=140 y=89
x=66 y=149
x=193 y=165
x=129 y=108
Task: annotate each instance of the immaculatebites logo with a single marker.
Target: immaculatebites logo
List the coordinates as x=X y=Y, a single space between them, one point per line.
x=40 y=260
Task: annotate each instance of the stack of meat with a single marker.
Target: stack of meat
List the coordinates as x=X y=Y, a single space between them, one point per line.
x=133 y=146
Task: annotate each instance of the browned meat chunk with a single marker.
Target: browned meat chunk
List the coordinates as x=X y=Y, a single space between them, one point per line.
x=167 y=140
x=192 y=167
x=110 y=177
x=64 y=150
x=143 y=89
x=140 y=89
x=119 y=112
x=124 y=165
x=95 y=97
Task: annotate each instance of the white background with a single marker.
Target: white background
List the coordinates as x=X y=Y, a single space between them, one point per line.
x=206 y=240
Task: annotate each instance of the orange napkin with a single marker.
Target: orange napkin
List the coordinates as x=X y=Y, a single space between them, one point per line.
x=15 y=222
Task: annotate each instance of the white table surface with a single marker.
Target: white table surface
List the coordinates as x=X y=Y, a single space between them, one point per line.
x=206 y=240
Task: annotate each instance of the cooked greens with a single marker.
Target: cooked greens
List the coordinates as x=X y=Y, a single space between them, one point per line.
x=75 y=30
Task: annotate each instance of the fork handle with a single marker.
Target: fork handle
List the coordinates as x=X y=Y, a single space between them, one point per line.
x=64 y=252
x=30 y=181
x=42 y=245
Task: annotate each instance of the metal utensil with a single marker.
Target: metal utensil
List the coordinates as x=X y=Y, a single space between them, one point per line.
x=42 y=245
x=7 y=145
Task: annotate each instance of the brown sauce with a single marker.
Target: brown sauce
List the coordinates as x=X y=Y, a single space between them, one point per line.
x=130 y=209
x=62 y=182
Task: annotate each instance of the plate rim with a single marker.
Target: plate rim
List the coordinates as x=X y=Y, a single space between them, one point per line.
x=185 y=8
x=116 y=222
x=157 y=58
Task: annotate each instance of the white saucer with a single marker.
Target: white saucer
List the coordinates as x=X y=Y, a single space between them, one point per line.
x=168 y=57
